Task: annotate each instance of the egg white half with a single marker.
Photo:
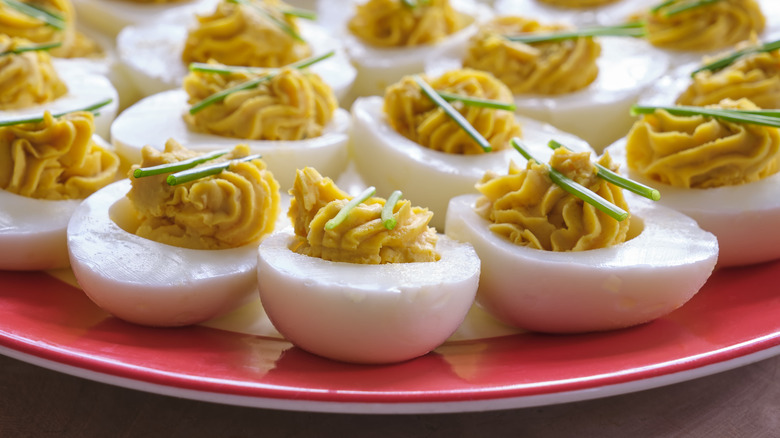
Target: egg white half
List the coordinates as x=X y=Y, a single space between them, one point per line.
x=599 y=113
x=605 y=15
x=157 y=118
x=666 y=261
x=389 y=161
x=366 y=313
x=379 y=67
x=150 y=283
x=151 y=53
x=85 y=87
x=744 y=218
x=110 y=16
x=33 y=231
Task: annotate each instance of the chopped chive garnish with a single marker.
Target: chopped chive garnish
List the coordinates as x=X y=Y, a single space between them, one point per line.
x=753 y=117
x=218 y=97
x=730 y=59
x=617 y=179
x=300 y=13
x=634 y=29
x=388 y=220
x=49 y=18
x=38 y=119
x=344 y=212
x=30 y=48
x=204 y=67
x=454 y=115
x=475 y=101
x=284 y=26
x=178 y=166
x=575 y=188
x=675 y=8
x=192 y=174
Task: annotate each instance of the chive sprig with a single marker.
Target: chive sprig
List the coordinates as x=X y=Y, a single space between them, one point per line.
x=475 y=101
x=634 y=29
x=388 y=219
x=574 y=187
x=341 y=216
x=50 y=18
x=753 y=117
x=615 y=178
x=676 y=6
x=37 y=119
x=194 y=173
x=177 y=166
x=220 y=96
x=31 y=48
x=726 y=61
x=453 y=113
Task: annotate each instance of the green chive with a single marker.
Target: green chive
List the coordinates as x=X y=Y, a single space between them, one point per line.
x=730 y=59
x=414 y=3
x=49 y=18
x=388 y=219
x=300 y=13
x=92 y=108
x=454 y=115
x=475 y=101
x=204 y=67
x=617 y=179
x=575 y=188
x=192 y=174
x=284 y=26
x=753 y=117
x=30 y=48
x=344 y=212
x=676 y=9
x=178 y=166
x=635 y=29
x=218 y=97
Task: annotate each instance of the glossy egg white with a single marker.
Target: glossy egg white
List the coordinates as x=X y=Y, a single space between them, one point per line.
x=85 y=88
x=157 y=118
x=744 y=218
x=366 y=313
x=389 y=161
x=666 y=261
x=33 y=231
x=600 y=112
x=149 y=283
x=379 y=67
x=110 y=16
x=151 y=54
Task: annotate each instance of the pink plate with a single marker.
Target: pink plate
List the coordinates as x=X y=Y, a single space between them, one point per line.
x=734 y=320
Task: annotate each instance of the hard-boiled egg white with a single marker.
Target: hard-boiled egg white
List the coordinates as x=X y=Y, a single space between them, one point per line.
x=151 y=53
x=366 y=313
x=389 y=161
x=110 y=16
x=150 y=283
x=744 y=218
x=664 y=263
x=605 y=15
x=33 y=231
x=599 y=113
x=379 y=67
x=157 y=118
x=85 y=88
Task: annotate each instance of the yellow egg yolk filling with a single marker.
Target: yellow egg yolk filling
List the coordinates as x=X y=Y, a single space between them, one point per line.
x=18 y=24
x=755 y=76
x=233 y=208
x=702 y=152
x=361 y=237
x=527 y=208
x=391 y=23
x=415 y=116
x=551 y=68
x=27 y=78
x=707 y=27
x=250 y=34
x=55 y=159
x=292 y=105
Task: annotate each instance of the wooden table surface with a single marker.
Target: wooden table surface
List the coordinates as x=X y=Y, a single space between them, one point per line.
x=36 y=402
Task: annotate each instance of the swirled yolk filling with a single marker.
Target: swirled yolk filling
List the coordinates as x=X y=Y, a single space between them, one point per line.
x=27 y=78
x=361 y=237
